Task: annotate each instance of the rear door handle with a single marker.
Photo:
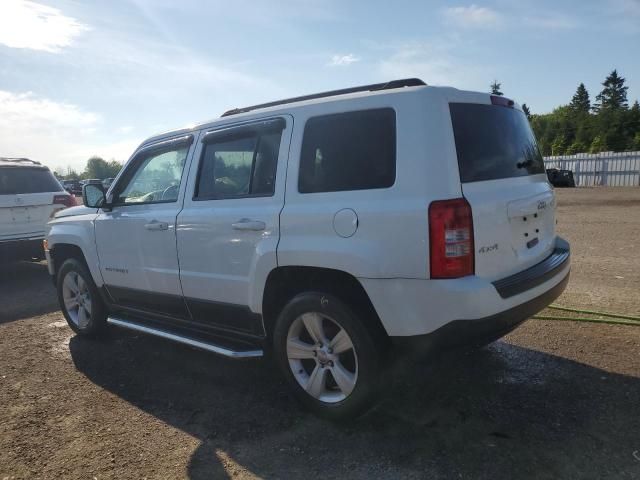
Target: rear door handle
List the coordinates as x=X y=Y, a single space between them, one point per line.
x=248 y=224
x=155 y=225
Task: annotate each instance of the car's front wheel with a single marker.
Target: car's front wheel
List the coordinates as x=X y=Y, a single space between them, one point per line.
x=327 y=355
x=79 y=299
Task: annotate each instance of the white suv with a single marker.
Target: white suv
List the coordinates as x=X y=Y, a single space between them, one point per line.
x=328 y=229
x=29 y=196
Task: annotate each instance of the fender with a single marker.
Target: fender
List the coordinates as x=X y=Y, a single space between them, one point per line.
x=77 y=230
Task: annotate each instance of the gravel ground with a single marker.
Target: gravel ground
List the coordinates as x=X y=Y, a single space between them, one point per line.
x=551 y=400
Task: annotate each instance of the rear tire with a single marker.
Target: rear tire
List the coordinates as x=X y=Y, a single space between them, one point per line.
x=80 y=299
x=327 y=355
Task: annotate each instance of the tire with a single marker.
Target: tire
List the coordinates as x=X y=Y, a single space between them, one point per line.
x=333 y=385
x=77 y=293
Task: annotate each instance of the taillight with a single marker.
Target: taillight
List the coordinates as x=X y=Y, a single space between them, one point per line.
x=451 y=238
x=66 y=200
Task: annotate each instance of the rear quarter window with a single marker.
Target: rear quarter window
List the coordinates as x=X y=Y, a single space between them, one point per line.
x=493 y=142
x=18 y=180
x=348 y=151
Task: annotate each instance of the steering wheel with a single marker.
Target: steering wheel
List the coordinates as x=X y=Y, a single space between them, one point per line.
x=173 y=190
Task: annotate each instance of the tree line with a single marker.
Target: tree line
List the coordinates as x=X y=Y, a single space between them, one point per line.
x=96 y=167
x=608 y=124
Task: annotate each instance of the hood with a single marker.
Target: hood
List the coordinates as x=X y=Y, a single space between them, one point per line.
x=79 y=210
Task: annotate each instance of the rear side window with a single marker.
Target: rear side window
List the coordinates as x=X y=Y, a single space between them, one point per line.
x=493 y=142
x=349 y=151
x=240 y=163
x=14 y=180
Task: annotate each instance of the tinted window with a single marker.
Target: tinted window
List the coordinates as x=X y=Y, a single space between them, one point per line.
x=239 y=165
x=493 y=142
x=156 y=178
x=15 y=180
x=348 y=151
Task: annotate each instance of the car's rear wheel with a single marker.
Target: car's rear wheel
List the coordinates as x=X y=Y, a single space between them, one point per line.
x=329 y=358
x=79 y=299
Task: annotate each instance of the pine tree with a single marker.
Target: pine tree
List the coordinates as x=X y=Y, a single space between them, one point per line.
x=526 y=111
x=495 y=88
x=580 y=101
x=614 y=94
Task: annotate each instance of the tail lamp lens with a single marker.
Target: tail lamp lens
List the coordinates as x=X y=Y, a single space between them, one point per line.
x=66 y=200
x=451 y=238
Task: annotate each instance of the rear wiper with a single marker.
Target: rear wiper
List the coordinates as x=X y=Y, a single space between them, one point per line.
x=526 y=164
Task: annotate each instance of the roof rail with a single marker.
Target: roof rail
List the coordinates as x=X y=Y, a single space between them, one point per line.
x=406 y=82
x=19 y=160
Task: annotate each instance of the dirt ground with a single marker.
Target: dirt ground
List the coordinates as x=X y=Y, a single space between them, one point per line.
x=551 y=400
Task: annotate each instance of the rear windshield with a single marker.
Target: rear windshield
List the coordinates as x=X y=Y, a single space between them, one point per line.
x=15 y=180
x=493 y=142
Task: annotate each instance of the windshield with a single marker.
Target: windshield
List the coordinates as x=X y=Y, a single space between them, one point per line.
x=14 y=180
x=493 y=142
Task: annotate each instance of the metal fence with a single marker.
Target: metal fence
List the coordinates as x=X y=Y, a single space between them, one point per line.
x=614 y=169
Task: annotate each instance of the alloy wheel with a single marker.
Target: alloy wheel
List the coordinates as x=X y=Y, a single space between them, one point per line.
x=77 y=299
x=322 y=357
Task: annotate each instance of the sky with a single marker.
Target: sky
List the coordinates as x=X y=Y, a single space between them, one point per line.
x=82 y=78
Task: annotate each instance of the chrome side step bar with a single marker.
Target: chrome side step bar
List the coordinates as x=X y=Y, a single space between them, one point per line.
x=209 y=347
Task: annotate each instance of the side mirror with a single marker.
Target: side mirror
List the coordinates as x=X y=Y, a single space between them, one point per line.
x=93 y=195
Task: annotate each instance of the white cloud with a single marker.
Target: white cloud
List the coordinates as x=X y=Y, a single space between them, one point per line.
x=472 y=16
x=432 y=62
x=343 y=60
x=624 y=15
x=556 y=22
x=125 y=129
x=26 y=109
x=25 y=24
x=56 y=133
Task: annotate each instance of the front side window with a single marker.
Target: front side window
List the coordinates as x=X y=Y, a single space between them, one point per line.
x=239 y=165
x=349 y=151
x=157 y=178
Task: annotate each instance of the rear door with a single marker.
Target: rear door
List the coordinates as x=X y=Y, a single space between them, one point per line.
x=26 y=200
x=504 y=181
x=228 y=230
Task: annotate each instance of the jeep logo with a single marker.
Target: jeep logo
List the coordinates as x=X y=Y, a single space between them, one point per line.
x=542 y=205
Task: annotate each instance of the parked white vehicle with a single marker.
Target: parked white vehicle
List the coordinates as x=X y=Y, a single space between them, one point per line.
x=329 y=228
x=29 y=196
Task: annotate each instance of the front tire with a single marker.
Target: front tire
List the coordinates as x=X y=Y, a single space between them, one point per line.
x=327 y=355
x=80 y=300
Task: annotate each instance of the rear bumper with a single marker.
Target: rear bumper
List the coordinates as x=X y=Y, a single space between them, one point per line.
x=411 y=307
x=479 y=331
x=21 y=249
x=534 y=276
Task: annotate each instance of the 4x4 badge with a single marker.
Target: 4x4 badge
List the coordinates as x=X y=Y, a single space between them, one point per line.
x=489 y=248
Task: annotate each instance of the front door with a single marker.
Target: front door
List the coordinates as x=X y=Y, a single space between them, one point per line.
x=136 y=240
x=229 y=228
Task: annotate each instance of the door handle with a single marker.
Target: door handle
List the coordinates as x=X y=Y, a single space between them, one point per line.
x=155 y=225
x=248 y=224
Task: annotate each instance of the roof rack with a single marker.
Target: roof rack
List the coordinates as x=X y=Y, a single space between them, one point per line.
x=406 y=82
x=19 y=160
